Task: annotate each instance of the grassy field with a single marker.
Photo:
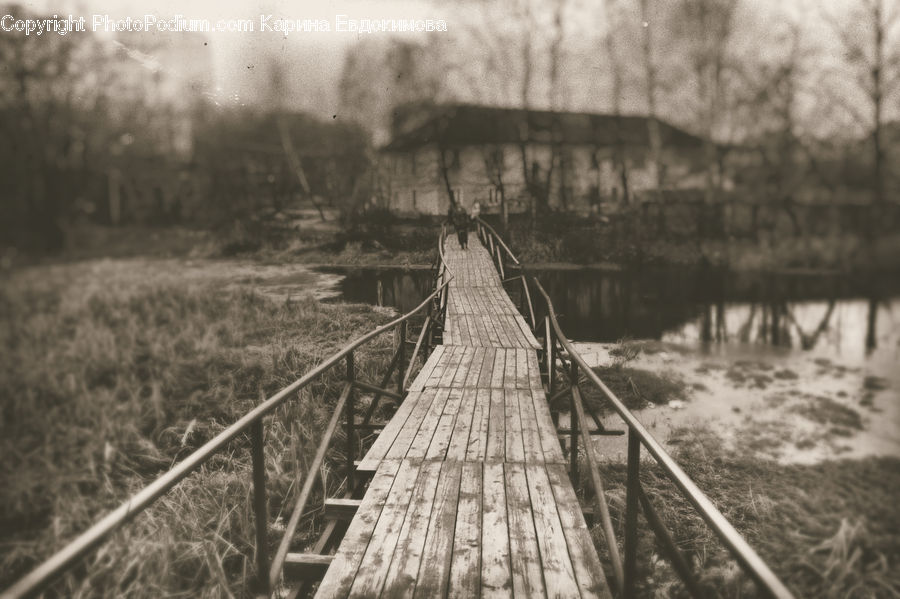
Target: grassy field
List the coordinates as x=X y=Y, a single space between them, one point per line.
x=112 y=371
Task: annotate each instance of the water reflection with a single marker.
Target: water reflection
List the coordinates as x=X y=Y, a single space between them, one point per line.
x=399 y=288
x=804 y=311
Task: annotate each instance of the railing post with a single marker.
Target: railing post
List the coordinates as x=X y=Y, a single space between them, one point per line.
x=401 y=369
x=350 y=415
x=573 y=426
x=260 y=508
x=631 y=511
x=549 y=358
x=530 y=305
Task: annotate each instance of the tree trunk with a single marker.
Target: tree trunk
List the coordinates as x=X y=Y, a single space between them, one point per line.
x=653 y=131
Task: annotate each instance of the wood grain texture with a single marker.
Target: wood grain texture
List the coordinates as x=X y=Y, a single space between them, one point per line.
x=470 y=495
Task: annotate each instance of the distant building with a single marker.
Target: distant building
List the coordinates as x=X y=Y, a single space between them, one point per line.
x=482 y=153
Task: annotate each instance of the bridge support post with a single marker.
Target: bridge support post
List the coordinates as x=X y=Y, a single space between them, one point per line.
x=350 y=430
x=260 y=508
x=573 y=425
x=401 y=368
x=549 y=358
x=631 y=511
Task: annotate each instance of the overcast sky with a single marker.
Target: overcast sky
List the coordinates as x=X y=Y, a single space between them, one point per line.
x=313 y=61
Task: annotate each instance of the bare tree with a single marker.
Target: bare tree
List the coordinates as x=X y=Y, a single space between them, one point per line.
x=279 y=91
x=707 y=26
x=769 y=103
x=872 y=55
x=616 y=71
x=648 y=9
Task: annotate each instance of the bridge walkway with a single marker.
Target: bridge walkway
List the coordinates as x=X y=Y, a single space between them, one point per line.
x=470 y=495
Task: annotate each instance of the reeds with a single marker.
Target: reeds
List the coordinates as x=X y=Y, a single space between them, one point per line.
x=827 y=530
x=114 y=371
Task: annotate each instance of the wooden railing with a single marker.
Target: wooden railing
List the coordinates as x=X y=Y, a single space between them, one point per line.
x=558 y=356
x=269 y=572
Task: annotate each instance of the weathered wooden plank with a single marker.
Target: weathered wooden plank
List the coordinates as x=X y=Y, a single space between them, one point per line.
x=550 y=446
x=556 y=564
x=509 y=376
x=531 y=437
x=474 y=339
x=340 y=508
x=499 y=369
x=459 y=438
x=373 y=568
x=524 y=554
x=492 y=332
x=419 y=382
x=534 y=372
x=306 y=565
x=522 y=367
x=465 y=338
x=407 y=434
x=384 y=441
x=529 y=338
x=342 y=572
x=583 y=554
x=501 y=339
x=422 y=437
x=479 y=338
x=475 y=368
x=455 y=358
x=448 y=327
x=515 y=452
x=403 y=571
x=465 y=575
x=512 y=332
x=434 y=573
x=440 y=368
x=478 y=435
x=487 y=367
x=462 y=371
x=496 y=574
x=496 y=440
x=440 y=441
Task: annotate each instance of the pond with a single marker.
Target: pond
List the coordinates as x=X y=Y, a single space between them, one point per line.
x=686 y=305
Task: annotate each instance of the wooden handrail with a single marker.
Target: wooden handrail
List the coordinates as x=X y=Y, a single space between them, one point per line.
x=499 y=240
x=739 y=548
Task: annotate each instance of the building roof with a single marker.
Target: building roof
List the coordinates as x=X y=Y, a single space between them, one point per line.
x=464 y=124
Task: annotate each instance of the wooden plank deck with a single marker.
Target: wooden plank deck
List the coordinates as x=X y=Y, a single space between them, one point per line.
x=469 y=495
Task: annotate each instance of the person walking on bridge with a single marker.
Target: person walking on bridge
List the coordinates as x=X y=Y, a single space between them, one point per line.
x=461 y=221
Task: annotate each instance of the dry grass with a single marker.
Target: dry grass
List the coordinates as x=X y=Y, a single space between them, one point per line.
x=111 y=373
x=636 y=387
x=827 y=530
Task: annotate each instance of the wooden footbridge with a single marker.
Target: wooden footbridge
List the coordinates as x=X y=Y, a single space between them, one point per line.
x=467 y=490
x=470 y=494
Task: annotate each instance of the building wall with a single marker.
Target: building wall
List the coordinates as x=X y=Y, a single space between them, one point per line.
x=583 y=177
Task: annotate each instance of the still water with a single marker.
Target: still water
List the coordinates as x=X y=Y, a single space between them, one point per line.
x=838 y=314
